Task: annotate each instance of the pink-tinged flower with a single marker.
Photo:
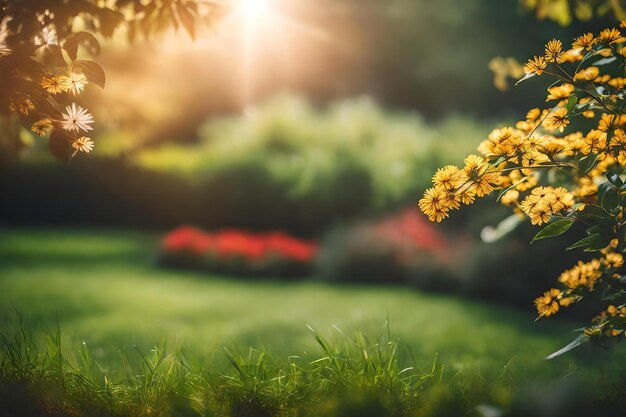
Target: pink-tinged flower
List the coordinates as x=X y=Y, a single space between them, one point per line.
x=4 y=48
x=46 y=37
x=82 y=144
x=76 y=82
x=76 y=119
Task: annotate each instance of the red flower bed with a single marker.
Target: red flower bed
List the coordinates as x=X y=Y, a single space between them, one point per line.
x=237 y=251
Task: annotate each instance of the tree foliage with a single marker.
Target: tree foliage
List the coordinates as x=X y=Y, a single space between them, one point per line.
x=564 y=11
x=46 y=52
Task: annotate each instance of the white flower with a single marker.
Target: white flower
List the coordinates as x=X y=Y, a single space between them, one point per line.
x=76 y=119
x=46 y=37
x=4 y=49
x=77 y=82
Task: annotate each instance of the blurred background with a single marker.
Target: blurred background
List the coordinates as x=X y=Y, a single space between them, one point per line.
x=321 y=121
x=265 y=176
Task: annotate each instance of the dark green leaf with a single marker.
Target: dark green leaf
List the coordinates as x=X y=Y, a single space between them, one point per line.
x=92 y=71
x=590 y=241
x=60 y=144
x=53 y=56
x=85 y=39
x=614 y=179
x=554 y=229
x=571 y=102
x=587 y=163
x=610 y=200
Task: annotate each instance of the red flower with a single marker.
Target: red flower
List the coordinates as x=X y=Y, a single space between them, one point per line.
x=290 y=247
x=234 y=243
x=186 y=238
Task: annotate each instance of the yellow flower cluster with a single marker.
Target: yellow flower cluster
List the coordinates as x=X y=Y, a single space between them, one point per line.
x=543 y=202
x=583 y=274
x=554 y=173
x=550 y=302
x=453 y=186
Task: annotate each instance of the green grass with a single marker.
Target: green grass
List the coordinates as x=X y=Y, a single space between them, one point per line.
x=103 y=289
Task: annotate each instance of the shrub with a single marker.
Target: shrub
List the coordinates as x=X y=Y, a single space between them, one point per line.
x=238 y=252
x=394 y=249
x=379 y=157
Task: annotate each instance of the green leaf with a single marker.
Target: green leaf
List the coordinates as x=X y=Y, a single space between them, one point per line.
x=554 y=229
x=525 y=77
x=614 y=179
x=586 y=164
x=60 y=145
x=571 y=102
x=610 y=200
x=85 y=39
x=92 y=71
x=574 y=344
x=53 y=56
x=591 y=241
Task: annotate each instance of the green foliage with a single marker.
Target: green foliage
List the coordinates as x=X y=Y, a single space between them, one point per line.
x=309 y=151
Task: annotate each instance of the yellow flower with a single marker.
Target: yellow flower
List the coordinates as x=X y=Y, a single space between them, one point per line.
x=571 y=55
x=536 y=65
x=510 y=198
x=584 y=41
x=55 y=84
x=554 y=49
x=613 y=260
x=533 y=115
x=587 y=74
x=524 y=182
x=42 y=127
x=548 y=304
x=611 y=121
x=433 y=204
x=82 y=144
x=557 y=120
x=560 y=92
x=448 y=177
x=611 y=35
x=582 y=275
x=21 y=104
x=594 y=141
x=502 y=142
x=563 y=199
x=476 y=170
x=552 y=147
x=536 y=209
x=451 y=200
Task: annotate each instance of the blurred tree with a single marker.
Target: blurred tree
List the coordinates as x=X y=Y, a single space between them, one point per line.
x=563 y=11
x=43 y=70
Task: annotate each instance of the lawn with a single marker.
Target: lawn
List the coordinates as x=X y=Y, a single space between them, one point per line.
x=103 y=288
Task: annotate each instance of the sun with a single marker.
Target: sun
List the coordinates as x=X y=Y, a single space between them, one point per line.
x=254 y=8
